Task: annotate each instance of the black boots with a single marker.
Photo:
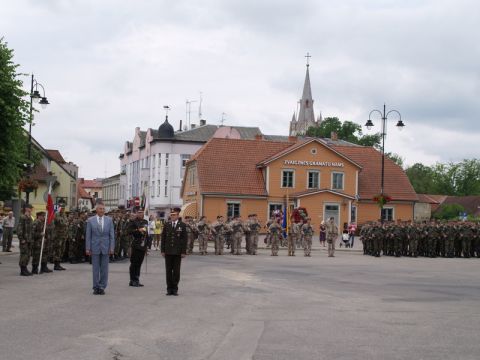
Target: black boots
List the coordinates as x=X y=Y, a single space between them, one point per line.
x=58 y=266
x=34 y=269
x=24 y=271
x=45 y=269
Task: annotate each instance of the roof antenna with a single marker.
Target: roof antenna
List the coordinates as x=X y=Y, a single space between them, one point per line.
x=223 y=118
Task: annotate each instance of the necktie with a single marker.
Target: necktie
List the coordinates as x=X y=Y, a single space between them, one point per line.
x=100 y=222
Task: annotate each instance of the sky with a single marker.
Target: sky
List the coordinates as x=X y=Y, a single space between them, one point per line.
x=109 y=66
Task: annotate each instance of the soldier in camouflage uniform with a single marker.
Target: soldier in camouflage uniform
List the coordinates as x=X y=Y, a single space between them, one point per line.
x=218 y=229
x=24 y=233
x=60 y=237
x=275 y=231
x=38 y=235
x=72 y=238
x=255 y=227
x=293 y=234
x=307 y=232
x=247 y=232
x=190 y=226
x=237 y=234
x=267 y=239
x=126 y=238
x=203 y=233
x=332 y=235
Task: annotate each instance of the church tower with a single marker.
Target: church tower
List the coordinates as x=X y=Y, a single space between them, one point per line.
x=306 y=116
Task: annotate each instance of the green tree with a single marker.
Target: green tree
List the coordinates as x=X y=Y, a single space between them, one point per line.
x=14 y=114
x=397 y=159
x=421 y=178
x=348 y=131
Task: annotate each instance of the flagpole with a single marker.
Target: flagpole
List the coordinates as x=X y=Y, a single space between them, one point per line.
x=45 y=225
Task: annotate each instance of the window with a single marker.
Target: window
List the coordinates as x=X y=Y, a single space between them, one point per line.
x=287 y=178
x=185 y=158
x=152 y=189
x=274 y=207
x=192 y=176
x=154 y=161
x=353 y=214
x=159 y=160
x=166 y=160
x=233 y=209
x=166 y=188
x=313 y=180
x=387 y=214
x=337 y=181
x=159 y=188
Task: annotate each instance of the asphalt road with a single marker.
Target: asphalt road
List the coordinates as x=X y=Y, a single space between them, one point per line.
x=248 y=307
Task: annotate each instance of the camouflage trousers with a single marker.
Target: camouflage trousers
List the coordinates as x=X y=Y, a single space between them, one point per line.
x=253 y=243
x=248 y=242
x=58 y=247
x=449 y=247
x=125 y=245
x=413 y=247
x=202 y=243
x=331 y=245
x=275 y=241
x=307 y=245
x=466 y=248
x=190 y=241
x=36 y=247
x=292 y=242
x=25 y=252
x=237 y=243
x=219 y=244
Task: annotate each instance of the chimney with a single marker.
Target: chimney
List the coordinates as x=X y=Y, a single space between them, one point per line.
x=258 y=137
x=292 y=139
x=203 y=122
x=334 y=136
x=180 y=128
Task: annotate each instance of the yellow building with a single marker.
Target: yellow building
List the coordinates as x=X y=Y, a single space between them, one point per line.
x=53 y=167
x=330 y=178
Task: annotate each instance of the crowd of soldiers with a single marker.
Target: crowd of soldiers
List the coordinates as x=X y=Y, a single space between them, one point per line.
x=428 y=239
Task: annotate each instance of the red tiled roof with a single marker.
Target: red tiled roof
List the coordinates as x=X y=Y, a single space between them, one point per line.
x=89 y=184
x=83 y=194
x=56 y=156
x=397 y=184
x=428 y=199
x=235 y=170
x=470 y=203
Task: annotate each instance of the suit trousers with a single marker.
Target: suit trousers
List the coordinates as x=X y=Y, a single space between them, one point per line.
x=100 y=270
x=172 y=270
x=7 y=238
x=136 y=261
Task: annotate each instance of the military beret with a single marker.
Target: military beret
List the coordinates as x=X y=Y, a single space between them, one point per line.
x=40 y=213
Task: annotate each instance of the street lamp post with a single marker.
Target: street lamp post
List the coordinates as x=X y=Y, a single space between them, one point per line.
x=42 y=100
x=369 y=125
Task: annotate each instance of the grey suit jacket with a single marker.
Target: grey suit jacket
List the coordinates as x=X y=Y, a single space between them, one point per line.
x=98 y=241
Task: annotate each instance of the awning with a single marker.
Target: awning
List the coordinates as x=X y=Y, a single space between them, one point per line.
x=189 y=209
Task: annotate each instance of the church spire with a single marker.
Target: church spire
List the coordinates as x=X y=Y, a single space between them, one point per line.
x=306 y=117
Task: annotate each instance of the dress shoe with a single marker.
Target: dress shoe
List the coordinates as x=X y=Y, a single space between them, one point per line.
x=95 y=291
x=44 y=269
x=35 y=269
x=24 y=271
x=140 y=284
x=101 y=292
x=134 y=284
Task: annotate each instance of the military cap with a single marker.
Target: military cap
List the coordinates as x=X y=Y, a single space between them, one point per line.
x=40 y=213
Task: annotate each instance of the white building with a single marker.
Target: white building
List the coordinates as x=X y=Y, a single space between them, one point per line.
x=152 y=166
x=111 y=192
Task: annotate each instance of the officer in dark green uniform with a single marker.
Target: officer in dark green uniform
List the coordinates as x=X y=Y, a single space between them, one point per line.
x=137 y=230
x=174 y=248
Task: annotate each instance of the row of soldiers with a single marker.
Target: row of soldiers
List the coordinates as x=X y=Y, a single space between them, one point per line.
x=232 y=232
x=428 y=239
x=31 y=234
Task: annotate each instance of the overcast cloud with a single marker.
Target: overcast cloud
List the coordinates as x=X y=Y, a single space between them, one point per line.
x=110 y=65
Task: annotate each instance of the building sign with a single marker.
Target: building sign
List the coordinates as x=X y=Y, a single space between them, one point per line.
x=314 y=163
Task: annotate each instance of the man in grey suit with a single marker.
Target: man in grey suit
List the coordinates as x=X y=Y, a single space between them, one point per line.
x=100 y=244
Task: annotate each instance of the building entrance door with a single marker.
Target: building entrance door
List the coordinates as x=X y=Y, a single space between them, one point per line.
x=332 y=210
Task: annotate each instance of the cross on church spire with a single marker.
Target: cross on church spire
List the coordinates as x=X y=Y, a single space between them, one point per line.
x=308 y=56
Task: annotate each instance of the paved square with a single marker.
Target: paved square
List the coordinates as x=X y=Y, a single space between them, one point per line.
x=248 y=307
